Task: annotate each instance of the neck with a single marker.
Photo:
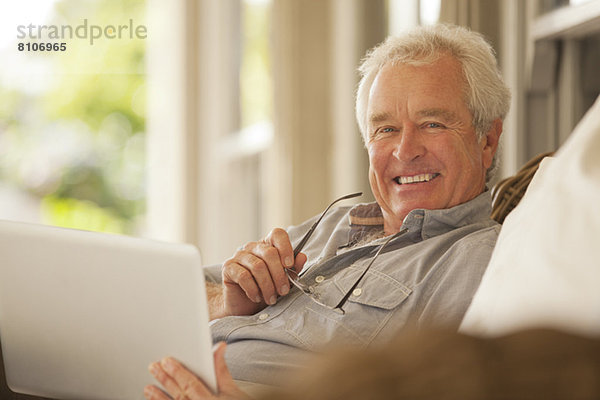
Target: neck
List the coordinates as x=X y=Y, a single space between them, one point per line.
x=392 y=224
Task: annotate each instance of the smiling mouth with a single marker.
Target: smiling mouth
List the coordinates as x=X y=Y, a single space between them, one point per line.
x=404 y=180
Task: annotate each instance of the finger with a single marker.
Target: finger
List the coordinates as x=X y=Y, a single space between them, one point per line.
x=188 y=383
x=242 y=277
x=272 y=259
x=299 y=262
x=258 y=271
x=154 y=393
x=225 y=382
x=166 y=380
x=224 y=378
x=280 y=239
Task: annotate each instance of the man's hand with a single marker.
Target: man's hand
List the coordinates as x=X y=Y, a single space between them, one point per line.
x=254 y=277
x=181 y=384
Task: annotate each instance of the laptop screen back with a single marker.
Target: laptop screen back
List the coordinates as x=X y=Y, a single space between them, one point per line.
x=83 y=314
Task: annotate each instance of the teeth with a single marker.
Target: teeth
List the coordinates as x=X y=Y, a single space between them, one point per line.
x=415 y=179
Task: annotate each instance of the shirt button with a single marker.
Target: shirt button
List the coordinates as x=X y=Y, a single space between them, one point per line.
x=319 y=279
x=357 y=292
x=263 y=316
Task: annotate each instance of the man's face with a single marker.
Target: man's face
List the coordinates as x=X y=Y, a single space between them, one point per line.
x=423 y=149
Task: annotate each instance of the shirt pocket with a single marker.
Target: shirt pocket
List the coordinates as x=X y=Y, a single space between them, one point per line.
x=367 y=310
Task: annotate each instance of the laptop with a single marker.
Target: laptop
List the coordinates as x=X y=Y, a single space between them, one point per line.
x=83 y=314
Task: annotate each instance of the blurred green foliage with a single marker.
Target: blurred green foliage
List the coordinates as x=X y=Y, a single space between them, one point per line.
x=78 y=143
x=71 y=212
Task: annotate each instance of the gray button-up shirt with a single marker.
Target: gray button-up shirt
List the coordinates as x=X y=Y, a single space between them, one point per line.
x=426 y=277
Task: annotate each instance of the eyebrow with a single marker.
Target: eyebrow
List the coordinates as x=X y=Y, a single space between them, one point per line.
x=429 y=112
x=438 y=112
x=379 y=117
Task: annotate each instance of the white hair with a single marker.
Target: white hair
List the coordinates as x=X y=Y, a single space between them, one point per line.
x=486 y=95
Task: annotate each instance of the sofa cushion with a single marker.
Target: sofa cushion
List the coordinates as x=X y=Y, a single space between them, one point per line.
x=545 y=268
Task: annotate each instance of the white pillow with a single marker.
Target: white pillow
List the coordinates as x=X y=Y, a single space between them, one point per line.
x=545 y=268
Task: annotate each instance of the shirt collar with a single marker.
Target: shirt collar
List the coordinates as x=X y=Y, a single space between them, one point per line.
x=366 y=220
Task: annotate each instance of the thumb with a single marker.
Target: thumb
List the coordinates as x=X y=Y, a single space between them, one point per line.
x=300 y=261
x=226 y=385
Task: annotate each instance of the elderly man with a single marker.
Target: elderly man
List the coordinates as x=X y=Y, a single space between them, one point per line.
x=430 y=107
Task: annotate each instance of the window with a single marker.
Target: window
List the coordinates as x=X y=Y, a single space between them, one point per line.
x=72 y=120
x=563 y=73
x=429 y=12
x=404 y=14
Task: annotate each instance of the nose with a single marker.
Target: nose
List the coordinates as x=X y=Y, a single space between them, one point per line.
x=410 y=145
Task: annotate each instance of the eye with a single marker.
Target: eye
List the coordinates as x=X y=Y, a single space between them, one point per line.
x=383 y=132
x=433 y=125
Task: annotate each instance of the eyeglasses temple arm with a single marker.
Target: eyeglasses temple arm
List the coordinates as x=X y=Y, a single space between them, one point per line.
x=308 y=234
x=349 y=293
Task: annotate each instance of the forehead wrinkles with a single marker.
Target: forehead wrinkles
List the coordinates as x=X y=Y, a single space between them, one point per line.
x=391 y=94
x=388 y=102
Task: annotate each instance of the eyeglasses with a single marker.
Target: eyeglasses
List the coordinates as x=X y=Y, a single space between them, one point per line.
x=309 y=290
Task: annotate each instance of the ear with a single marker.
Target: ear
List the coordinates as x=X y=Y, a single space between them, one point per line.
x=490 y=142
